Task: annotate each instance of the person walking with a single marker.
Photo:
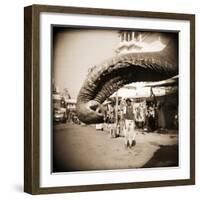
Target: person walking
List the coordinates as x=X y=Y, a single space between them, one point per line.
x=129 y=126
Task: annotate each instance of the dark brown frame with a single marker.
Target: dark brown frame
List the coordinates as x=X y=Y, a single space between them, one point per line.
x=32 y=106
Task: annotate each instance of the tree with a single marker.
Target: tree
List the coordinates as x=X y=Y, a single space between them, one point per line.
x=66 y=93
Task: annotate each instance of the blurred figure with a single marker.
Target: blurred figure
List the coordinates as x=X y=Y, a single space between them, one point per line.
x=176 y=121
x=161 y=116
x=111 y=120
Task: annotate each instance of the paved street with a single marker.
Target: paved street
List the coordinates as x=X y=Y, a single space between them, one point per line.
x=80 y=147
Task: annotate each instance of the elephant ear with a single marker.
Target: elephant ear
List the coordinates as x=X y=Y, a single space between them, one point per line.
x=108 y=77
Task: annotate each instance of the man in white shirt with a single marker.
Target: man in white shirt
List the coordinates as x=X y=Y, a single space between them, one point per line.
x=129 y=127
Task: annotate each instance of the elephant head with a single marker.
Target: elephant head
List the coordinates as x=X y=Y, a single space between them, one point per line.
x=108 y=77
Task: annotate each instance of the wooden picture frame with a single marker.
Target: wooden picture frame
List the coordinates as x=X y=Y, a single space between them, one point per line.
x=32 y=95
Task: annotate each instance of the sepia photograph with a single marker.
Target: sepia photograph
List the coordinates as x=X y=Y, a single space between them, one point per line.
x=114 y=99
x=109 y=99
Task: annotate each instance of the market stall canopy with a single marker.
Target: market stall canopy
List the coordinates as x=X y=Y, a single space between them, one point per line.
x=71 y=101
x=143 y=89
x=169 y=82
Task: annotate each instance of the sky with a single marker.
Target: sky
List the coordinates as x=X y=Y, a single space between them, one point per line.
x=75 y=51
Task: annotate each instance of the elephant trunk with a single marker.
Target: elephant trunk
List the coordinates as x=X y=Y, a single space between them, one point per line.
x=111 y=75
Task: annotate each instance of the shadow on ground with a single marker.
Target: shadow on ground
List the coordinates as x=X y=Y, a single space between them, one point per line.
x=166 y=156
